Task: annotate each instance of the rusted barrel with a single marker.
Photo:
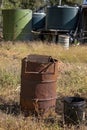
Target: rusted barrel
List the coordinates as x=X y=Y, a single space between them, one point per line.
x=38 y=83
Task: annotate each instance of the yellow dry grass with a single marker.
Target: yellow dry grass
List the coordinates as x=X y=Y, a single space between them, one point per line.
x=72 y=81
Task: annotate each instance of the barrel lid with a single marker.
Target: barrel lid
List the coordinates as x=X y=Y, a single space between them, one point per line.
x=74 y=100
x=64 y=6
x=39 y=58
x=64 y=36
x=39 y=13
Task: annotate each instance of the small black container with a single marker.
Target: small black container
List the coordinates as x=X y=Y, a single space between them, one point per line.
x=74 y=110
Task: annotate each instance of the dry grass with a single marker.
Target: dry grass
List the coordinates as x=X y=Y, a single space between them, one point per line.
x=72 y=81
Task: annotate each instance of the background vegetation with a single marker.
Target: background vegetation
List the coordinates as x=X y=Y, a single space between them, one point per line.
x=35 y=4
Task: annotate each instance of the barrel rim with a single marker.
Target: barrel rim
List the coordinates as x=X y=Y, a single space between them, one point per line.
x=71 y=101
x=16 y=9
x=39 y=13
x=64 y=6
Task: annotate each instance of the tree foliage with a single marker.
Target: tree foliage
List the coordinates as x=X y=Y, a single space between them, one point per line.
x=34 y=4
x=67 y=2
x=27 y=4
x=10 y=3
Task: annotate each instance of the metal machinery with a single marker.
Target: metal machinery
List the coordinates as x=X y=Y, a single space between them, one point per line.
x=61 y=20
x=67 y=20
x=83 y=25
x=58 y=20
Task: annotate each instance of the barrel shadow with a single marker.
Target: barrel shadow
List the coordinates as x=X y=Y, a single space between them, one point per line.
x=12 y=108
x=57 y=117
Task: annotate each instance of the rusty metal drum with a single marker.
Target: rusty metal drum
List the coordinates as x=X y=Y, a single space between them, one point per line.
x=38 y=83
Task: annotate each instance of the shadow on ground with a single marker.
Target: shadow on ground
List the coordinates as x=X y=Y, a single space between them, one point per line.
x=9 y=108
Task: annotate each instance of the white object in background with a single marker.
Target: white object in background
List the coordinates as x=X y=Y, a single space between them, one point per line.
x=84 y=1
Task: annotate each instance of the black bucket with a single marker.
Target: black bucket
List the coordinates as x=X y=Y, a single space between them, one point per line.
x=74 y=110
